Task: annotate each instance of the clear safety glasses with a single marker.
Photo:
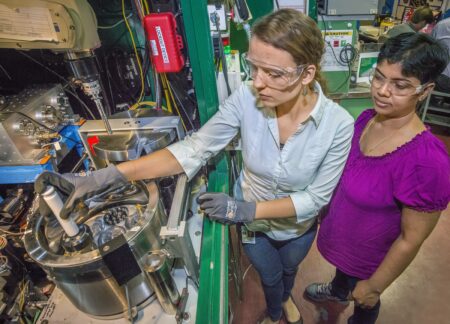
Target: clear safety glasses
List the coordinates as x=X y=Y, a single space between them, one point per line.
x=273 y=76
x=401 y=88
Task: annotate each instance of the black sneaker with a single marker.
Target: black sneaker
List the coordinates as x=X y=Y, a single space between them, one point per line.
x=320 y=292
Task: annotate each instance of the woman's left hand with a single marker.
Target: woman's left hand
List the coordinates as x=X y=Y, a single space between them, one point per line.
x=364 y=295
x=222 y=208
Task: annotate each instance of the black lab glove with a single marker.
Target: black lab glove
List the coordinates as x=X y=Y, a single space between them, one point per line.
x=224 y=209
x=79 y=186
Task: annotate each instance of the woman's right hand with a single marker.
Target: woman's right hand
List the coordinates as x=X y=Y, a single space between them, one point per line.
x=78 y=186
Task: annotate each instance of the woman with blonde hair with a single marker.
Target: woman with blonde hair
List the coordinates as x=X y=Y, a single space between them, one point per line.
x=295 y=143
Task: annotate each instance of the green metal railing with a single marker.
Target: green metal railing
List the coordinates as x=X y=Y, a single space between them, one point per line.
x=212 y=305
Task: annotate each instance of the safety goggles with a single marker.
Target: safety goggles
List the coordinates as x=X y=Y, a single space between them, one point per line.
x=273 y=76
x=401 y=88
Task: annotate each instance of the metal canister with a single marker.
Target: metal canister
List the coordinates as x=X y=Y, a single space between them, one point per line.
x=84 y=277
x=162 y=282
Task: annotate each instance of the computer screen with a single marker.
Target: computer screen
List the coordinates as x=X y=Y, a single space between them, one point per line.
x=367 y=62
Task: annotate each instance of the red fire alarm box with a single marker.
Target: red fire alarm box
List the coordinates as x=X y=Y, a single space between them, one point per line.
x=165 y=43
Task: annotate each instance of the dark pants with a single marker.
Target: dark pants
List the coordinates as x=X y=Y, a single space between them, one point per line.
x=341 y=286
x=277 y=263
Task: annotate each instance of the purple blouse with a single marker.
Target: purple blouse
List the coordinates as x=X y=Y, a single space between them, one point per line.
x=363 y=218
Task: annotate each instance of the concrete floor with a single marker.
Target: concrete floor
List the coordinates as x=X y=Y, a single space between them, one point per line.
x=420 y=295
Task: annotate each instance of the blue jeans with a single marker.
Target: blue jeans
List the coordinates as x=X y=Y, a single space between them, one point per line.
x=341 y=286
x=277 y=263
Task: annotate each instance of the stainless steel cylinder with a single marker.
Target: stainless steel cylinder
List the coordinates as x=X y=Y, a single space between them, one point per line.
x=162 y=282
x=84 y=277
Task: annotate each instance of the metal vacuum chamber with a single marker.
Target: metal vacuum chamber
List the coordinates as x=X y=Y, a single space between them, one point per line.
x=134 y=133
x=133 y=211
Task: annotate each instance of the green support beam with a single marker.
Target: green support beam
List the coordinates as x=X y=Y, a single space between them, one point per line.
x=212 y=305
x=312 y=9
x=199 y=44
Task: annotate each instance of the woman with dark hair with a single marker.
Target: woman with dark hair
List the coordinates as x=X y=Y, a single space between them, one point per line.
x=395 y=183
x=295 y=142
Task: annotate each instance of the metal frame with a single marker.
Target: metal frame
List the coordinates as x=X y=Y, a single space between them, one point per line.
x=443 y=119
x=14 y=174
x=175 y=235
x=129 y=124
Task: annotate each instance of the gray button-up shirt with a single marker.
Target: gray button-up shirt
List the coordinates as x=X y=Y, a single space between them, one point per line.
x=307 y=169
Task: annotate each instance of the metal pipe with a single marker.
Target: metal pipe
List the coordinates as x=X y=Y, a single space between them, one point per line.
x=55 y=203
x=80 y=162
x=105 y=120
x=158 y=92
x=162 y=282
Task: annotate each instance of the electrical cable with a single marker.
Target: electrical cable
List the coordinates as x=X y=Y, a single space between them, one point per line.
x=178 y=87
x=43 y=146
x=40 y=124
x=191 y=100
x=222 y=54
x=116 y=24
x=343 y=54
x=107 y=106
x=62 y=78
x=349 y=61
x=147 y=10
x=157 y=83
x=166 y=94
x=172 y=90
x=245 y=67
x=147 y=61
x=142 y=103
x=108 y=79
x=129 y=92
x=328 y=44
x=5 y=250
x=141 y=95
x=76 y=96
x=175 y=105
x=245 y=272
x=217 y=67
x=3 y=243
x=6 y=72
x=139 y=9
x=344 y=59
x=42 y=65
